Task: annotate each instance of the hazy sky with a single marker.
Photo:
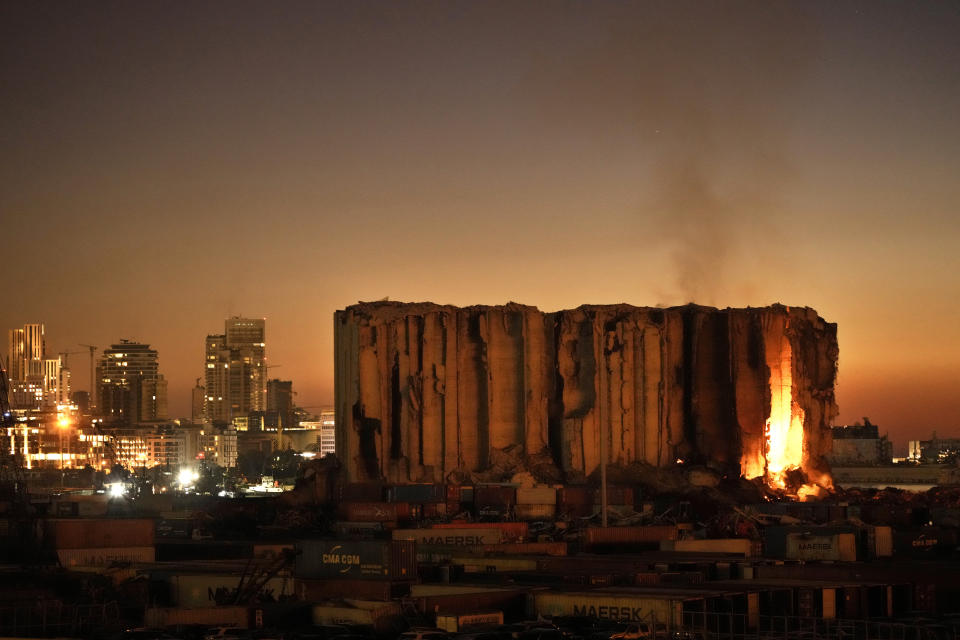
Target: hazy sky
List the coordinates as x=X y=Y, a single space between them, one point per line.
x=164 y=165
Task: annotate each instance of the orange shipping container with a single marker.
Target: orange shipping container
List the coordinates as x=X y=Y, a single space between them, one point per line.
x=100 y=533
x=598 y=536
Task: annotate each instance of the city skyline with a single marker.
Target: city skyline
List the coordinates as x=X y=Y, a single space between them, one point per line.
x=166 y=169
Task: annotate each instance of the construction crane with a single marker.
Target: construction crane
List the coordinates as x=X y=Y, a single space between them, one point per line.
x=66 y=357
x=93 y=389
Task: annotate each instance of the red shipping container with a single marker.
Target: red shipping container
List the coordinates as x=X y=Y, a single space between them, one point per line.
x=512 y=531
x=103 y=533
x=525 y=548
x=615 y=496
x=434 y=509
x=574 y=496
x=315 y=590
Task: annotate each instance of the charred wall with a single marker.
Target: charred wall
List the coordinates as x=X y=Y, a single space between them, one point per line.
x=425 y=390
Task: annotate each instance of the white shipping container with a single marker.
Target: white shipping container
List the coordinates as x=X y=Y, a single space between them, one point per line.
x=197 y=591
x=104 y=557
x=840 y=546
x=537 y=495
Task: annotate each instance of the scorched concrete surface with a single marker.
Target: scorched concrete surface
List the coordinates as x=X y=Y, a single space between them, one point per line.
x=428 y=392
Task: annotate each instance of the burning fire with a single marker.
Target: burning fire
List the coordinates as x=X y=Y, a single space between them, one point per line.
x=782 y=450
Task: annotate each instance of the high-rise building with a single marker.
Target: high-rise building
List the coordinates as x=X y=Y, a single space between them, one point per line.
x=26 y=353
x=236 y=370
x=197 y=400
x=130 y=388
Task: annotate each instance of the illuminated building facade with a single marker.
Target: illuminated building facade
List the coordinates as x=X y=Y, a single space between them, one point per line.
x=219 y=446
x=235 y=370
x=130 y=388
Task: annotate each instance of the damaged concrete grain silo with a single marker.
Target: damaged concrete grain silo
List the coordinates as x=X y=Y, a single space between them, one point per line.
x=426 y=391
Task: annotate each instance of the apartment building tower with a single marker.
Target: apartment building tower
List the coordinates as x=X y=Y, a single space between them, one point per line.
x=235 y=370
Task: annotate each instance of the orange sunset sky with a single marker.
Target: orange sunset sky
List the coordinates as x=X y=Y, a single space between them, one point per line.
x=166 y=165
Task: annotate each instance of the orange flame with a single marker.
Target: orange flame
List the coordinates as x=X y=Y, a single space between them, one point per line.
x=782 y=450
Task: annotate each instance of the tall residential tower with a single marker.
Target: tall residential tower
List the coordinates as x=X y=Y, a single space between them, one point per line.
x=236 y=370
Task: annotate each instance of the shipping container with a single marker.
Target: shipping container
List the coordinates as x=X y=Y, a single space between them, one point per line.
x=457 y=622
x=200 y=590
x=362 y=492
x=512 y=531
x=494 y=496
x=374 y=511
x=532 y=512
x=598 y=537
x=159 y=618
x=739 y=546
x=169 y=528
x=382 y=616
x=497 y=564
x=537 y=495
x=368 y=559
x=434 y=509
x=576 y=502
x=616 y=496
x=325 y=589
x=840 y=546
x=879 y=542
x=466 y=537
x=619 y=605
x=275 y=550
x=526 y=548
x=417 y=493
x=99 y=533
x=362 y=530
x=104 y=556
x=456 y=599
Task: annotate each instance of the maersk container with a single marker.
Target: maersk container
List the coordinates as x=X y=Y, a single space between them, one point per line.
x=100 y=533
x=618 y=536
x=451 y=537
x=532 y=512
x=537 y=495
x=104 y=556
x=512 y=531
x=840 y=546
x=417 y=493
x=622 y=606
x=367 y=559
